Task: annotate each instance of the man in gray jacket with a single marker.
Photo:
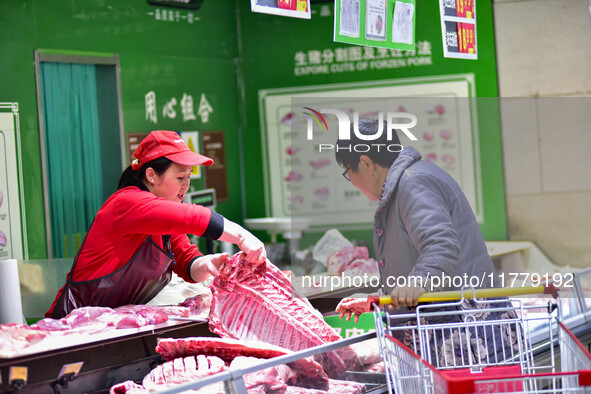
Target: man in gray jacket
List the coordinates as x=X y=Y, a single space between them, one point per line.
x=426 y=238
x=424 y=226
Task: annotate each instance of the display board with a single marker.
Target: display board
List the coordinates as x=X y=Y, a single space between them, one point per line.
x=303 y=179
x=11 y=235
x=376 y=23
x=291 y=8
x=458 y=29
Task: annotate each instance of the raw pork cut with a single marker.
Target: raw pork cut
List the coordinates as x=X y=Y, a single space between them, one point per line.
x=274 y=379
x=354 y=260
x=94 y=319
x=368 y=354
x=377 y=368
x=259 y=303
x=227 y=349
x=182 y=370
x=142 y=315
x=308 y=372
x=128 y=387
x=198 y=304
x=16 y=337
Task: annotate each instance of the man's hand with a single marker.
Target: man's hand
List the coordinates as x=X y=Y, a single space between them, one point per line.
x=405 y=296
x=207 y=265
x=353 y=306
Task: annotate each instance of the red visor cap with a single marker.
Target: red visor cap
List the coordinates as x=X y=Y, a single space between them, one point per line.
x=163 y=143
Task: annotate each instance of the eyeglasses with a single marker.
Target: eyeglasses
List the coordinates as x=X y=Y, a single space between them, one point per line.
x=346 y=173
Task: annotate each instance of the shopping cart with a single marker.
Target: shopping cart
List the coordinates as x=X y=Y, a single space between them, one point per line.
x=474 y=354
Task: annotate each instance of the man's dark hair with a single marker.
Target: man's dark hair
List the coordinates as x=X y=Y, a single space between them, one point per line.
x=349 y=158
x=129 y=177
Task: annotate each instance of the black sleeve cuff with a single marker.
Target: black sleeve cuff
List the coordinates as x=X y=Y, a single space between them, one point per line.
x=215 y=229
x=189 y=267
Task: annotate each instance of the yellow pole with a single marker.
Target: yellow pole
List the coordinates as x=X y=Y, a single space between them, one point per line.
x=469 y=293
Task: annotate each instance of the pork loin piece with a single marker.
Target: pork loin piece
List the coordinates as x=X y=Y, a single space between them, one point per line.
x=182 y=370
x=177 y=371
x=308 y=373
x=15 y=338
x=245 y=296
x=352 y=260
x=96 y=319
x=259 y=303
x=368 y=354
x=128 y=387
x=227 y=349
x=274 y=379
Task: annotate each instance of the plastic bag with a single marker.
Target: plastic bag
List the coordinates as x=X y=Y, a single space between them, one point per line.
x=331 y=242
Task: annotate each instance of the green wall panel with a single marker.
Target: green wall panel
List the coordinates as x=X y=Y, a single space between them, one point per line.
x=229 y=62
x=269 y=62
x=165 y=50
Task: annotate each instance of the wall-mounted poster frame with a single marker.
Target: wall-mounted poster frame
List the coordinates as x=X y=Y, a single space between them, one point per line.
x=458 y=28
x=291 y=8
x=300 y=183
x=12 y=206
x=376 y=23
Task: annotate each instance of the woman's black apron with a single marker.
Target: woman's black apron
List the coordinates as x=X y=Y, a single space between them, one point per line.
x=137 y=282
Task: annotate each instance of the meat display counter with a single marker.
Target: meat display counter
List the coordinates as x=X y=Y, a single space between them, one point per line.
x=267 y=378
x=106 y=358
x=101 y=361
x=131 y=357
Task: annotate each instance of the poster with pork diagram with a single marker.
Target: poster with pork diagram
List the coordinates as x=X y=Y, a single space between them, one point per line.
x=375 y=20
x=302 y=178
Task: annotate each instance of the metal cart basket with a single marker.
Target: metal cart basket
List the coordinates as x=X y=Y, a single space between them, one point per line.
x=487 y=347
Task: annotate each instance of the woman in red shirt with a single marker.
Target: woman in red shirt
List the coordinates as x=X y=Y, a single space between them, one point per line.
x=139 y=235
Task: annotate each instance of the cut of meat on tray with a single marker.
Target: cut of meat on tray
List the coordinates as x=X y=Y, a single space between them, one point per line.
x=128 y=387
x=175 y=372
x=142 y=315
x=227 y=349
x=182 y=370
x=308 y=373
x=368 y=354
x=94 y=319
x=377 y=367
x=48 y=334
x=270 y=380
x=335 y=387
x=352 y=260
x=198 y=305
x=15 y=337
x=273 y=379
x=259 y=303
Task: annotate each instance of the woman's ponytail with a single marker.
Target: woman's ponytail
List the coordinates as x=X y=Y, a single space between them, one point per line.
x=131 y=177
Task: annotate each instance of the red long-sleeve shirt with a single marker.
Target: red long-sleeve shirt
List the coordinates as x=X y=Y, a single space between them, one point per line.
x=124 y=222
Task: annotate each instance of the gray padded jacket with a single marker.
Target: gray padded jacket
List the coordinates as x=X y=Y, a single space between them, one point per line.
x=424 y=226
